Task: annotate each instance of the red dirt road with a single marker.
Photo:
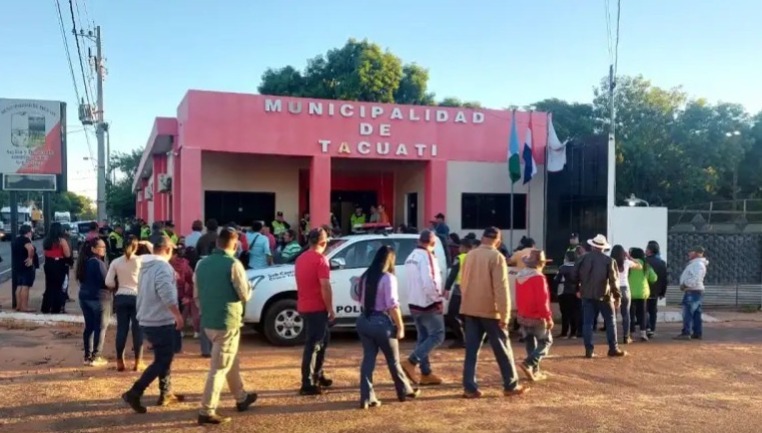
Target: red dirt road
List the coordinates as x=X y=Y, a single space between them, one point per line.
x=664 y=386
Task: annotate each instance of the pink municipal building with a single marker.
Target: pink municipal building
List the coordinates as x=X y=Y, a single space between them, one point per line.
x=244 y=157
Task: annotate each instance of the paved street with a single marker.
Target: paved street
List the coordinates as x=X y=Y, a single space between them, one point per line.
x=5 y=253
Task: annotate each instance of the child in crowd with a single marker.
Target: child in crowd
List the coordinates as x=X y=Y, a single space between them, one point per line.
x=568 y=298
x=534 y=314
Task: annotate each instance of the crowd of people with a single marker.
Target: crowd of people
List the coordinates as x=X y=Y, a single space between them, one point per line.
x=155 y=281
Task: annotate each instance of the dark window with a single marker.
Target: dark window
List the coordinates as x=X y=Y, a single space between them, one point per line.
x=240 y=207
x=484 y=210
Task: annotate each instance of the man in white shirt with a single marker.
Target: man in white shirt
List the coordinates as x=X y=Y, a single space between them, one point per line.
x=426 y=302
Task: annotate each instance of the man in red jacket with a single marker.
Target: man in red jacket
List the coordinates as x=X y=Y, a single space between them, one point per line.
x=534 y=314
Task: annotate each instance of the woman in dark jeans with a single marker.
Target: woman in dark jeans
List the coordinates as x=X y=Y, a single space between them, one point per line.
x=380 y=326
x=95 y=299
x=57 y=255
x=122 y=277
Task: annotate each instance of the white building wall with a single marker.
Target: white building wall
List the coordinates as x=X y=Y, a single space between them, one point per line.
x=255 y=173
x=492 y=178
x=408 y=180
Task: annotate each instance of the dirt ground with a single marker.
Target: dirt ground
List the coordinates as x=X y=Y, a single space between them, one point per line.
x=708 y=386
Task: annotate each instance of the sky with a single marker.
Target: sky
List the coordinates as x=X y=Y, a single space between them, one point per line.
x=497 y=52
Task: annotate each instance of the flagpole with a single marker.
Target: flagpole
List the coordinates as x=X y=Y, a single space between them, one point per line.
x=510 y=208
x=529 y=184
x=545 y=185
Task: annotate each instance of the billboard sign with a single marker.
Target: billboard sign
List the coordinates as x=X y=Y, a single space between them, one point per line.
x=29 y=182
x=32 y=137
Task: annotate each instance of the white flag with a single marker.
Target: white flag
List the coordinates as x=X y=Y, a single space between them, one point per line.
x=556 y=149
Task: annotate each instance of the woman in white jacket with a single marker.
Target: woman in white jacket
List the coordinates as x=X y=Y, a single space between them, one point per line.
x=122 y=276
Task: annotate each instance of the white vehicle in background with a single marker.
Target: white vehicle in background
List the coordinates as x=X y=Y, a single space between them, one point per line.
x=272 y=307
x=24 y=217
x=62 y=217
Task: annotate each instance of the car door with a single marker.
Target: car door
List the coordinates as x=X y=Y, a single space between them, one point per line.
x=357 y=256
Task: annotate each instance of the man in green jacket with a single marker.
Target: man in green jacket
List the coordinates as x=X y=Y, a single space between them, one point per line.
x=221 y=289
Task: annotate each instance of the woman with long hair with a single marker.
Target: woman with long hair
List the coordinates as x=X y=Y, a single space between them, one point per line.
x=122 y=277
x=57 y=256
x=624 y=263
x=95 y=299
x=640 y=281
x=380 y=326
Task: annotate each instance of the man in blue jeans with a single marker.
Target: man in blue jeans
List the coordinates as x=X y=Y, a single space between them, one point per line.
x=486 y=305
x=599 y=288
x=425 y=294
x=692 y=285
x=159 y=317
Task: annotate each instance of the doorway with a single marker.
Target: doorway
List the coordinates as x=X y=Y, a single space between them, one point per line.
x=411 y=209
x=243 y=208
x=343 y=205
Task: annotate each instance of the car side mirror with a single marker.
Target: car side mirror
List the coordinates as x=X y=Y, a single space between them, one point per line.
x=338 y=263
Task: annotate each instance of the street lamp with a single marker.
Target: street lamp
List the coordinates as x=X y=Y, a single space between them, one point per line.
x=734 y=135
x=633 y=201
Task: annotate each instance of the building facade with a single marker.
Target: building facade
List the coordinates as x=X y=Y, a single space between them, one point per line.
x=242 y=157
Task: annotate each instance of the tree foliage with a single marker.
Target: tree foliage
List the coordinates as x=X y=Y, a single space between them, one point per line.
x=120 y=201
x=358 y=71
x=78 y=205
x=671 y=150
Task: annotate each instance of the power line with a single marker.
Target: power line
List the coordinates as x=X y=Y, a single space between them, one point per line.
x=66 y=48
x=71 y=69
x=79 y=52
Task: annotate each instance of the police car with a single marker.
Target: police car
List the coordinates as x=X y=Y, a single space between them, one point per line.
x=272 y=307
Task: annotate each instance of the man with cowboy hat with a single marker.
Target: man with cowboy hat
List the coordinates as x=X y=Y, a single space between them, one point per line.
x=599 y=287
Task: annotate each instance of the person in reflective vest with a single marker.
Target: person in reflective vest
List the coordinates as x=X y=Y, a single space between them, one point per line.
x=145 y=232
x=169 y=231
x=453 y=319
x=357 y=218
x=116 y=242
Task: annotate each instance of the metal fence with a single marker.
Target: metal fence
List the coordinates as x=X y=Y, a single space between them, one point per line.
x=734 y=273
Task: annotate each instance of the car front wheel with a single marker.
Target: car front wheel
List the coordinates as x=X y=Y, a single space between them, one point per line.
x=283 y=325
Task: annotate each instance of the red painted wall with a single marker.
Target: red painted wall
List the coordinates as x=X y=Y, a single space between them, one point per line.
x=382 y=184
x=235 y=122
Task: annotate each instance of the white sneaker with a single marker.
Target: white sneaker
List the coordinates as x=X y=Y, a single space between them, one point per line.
x=98 y=362
x=195 y=335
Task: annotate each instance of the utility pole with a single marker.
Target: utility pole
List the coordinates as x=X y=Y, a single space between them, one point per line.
x=100 y=128
x=611 y=191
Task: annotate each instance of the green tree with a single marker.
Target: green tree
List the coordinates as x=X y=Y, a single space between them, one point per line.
x=570 y=119
x=455 y=102
x=358 y=71
x=120 y=201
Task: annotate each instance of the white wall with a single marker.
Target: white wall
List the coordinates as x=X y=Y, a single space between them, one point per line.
x=255 y=173
x=635 y=226
x=408 y=180
x=492 y=178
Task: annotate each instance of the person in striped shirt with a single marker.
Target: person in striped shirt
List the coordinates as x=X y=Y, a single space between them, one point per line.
x=291 y=247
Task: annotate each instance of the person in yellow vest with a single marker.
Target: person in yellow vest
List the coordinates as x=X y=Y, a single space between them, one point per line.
x=169 y=231
x=145 y=232
x=357 y=218
x=280 y=227
x=453 y=319
x=116 y=242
